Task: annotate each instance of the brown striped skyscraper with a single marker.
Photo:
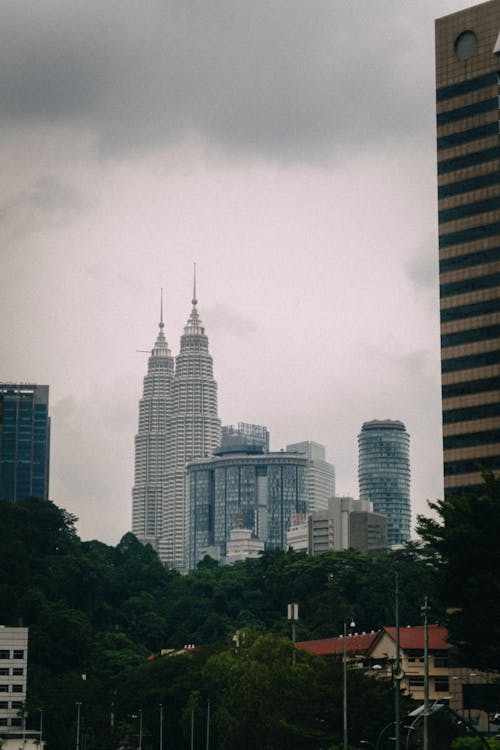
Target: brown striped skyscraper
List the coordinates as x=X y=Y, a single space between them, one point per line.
x=468 y=155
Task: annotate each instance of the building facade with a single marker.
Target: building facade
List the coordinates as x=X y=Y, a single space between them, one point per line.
x=178 y=423
x=13 y=678
x=346 y=524
x=250 y=490
x=245 y=433
x=468 y=165
x=152 y=444
x=384 y=474
x=320 y=475
x=24 y=441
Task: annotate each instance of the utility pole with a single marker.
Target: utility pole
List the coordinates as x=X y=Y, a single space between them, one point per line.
x=426 y=675
x=78 y=708
x=161 y=726
x=208 y=724
x=397 y=670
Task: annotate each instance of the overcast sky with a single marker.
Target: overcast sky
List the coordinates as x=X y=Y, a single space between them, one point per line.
x=288 y=148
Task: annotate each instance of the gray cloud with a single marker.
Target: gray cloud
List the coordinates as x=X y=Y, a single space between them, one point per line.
x=286 y=78
x=422 y=267
x=46 y=202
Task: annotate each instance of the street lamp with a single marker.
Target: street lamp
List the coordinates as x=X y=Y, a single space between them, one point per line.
x=352 y=624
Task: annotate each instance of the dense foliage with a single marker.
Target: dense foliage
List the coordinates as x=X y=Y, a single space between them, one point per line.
x=464 y=552
x=100 y=615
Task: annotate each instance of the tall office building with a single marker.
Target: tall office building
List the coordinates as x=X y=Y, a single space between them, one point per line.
x=320 y=475
x=244 y=489
x=194 y=431
x=468 y=155
x=24 y=441
x=177 y=423
x=152 y=443
x=384 y=474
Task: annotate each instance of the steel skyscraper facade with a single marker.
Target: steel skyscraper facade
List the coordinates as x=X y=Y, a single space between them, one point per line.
x=24 y=441
x=178 y=423
x=384 y=474
x=468 y=155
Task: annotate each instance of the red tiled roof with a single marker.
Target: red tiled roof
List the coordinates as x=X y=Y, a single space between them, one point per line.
x=355 y=644
x=413 y=638
x=409 y=638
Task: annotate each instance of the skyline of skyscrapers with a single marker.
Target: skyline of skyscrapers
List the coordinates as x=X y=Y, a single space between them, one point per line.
x=24 y=441
x=178 y=423
x=384 y=474
x=468 y=156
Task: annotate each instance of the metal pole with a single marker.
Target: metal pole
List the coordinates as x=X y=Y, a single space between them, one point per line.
x=426 y=677
x=192 y=729
x=344 y=701
x=161 y=726
x=41 y=729
x=397 y=719
x=78 y=707
x=140 y=729
x=293 y=639
x=208 y=724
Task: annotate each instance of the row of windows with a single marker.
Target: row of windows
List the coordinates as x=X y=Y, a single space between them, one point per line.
x=487 y=463
x=4 y=688
x=468 y=160
x=470 y=235
x=465 y=186
x=471 y=412
x=467 y=136
x=13 y=704
x=469 y=361
x=469 y=209
x=13 y=722
x=471 y=439
x=471 y=335
x=454 y=115
x=471 y=386
x=5 y=653
x=16 y=671
x=465 y=87
x=470 y=259
x=465 y=286
x=470 y=311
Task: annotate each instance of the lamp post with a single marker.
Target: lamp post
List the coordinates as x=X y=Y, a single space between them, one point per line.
x=78 y=709
x=352 y=624
x=293 y=615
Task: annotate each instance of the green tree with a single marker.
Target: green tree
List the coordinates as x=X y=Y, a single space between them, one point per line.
x=464 y=551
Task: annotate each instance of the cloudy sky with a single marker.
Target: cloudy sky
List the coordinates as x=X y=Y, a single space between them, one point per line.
x=286 y=146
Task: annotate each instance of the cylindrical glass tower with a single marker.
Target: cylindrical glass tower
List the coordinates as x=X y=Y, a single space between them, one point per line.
x=384 y=474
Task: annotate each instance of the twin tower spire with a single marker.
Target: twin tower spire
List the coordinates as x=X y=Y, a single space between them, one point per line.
x=178 y=423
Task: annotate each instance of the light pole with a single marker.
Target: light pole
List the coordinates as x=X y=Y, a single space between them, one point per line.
x=78 y=709
x=140 y=729
x=352 y=624
x=293 y=615
x=161 y=726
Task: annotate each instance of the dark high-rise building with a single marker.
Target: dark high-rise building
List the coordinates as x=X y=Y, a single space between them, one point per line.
x=24 y=441
x=384 y=474
x=468 y=165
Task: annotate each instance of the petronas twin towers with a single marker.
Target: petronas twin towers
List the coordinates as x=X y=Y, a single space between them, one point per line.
x=178 y=423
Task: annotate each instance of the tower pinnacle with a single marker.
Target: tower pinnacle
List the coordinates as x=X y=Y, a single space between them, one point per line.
x=195 y=301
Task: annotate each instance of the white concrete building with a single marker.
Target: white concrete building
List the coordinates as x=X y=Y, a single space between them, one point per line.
x=13 y=678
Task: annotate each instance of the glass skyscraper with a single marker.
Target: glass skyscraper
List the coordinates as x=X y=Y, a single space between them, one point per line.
x=244 y=489
x=384 y=474
x=468 y=165
x=24 y=441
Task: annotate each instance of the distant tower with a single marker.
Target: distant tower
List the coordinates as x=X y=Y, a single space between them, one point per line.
x=194 y=426
x=177 y=423
x=384 y=474
x=24 y=441
x=151 y=443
